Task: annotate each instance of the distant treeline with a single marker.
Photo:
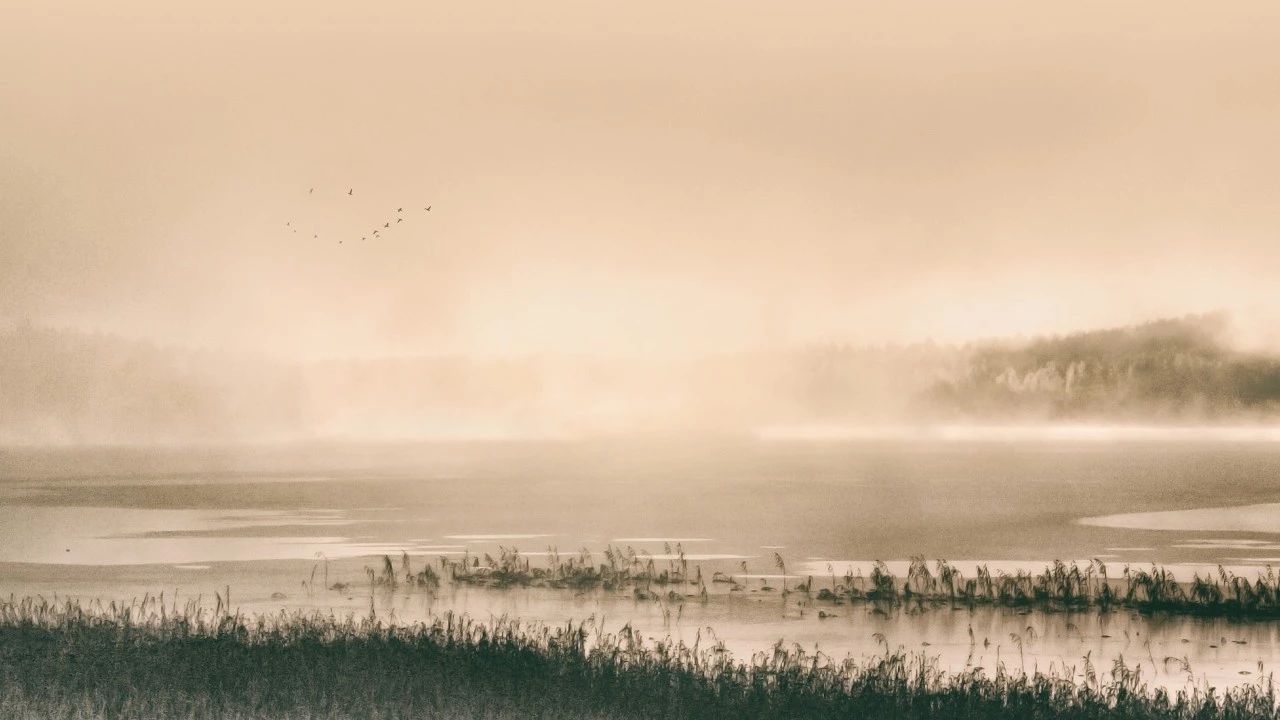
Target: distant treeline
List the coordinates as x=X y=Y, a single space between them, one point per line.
x=67 y=386
x=1176 y=369
x=60 y=386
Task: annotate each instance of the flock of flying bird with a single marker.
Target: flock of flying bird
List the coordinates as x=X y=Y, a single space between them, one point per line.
x=398 y=218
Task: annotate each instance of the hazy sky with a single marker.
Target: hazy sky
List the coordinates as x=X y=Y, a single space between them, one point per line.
x=633 y=177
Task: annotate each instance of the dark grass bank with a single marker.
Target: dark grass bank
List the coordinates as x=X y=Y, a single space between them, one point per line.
x=150 y=660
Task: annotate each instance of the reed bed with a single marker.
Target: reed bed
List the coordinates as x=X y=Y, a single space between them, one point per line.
x=1059 y=586
x=619 y=569
x=1065 y=586
x=159 y=658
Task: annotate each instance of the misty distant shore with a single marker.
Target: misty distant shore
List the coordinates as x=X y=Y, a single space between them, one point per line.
x=63 y=387
x=1045 y=432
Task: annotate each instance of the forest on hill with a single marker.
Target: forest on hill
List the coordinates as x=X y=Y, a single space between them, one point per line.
x=1177 y=369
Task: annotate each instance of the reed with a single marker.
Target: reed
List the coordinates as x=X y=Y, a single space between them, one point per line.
x=1063 y=586
x=159 y=658
x=1059 y=586
x=622 y=569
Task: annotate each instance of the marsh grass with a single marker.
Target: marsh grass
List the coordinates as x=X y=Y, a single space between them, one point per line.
x=1059 y=586
x=1065 y=586
x=620 y=569
x=162 y=659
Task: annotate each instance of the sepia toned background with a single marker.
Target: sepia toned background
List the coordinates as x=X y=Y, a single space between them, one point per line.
x=650 y=183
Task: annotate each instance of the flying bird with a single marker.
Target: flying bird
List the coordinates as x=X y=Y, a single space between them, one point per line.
x=399 y=209
x=427 y=208
x=386 y=225
x=311 y=190
x=350 y=190
x=399 y=220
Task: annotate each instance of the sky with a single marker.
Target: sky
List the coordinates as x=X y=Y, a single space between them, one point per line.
x=632 y=178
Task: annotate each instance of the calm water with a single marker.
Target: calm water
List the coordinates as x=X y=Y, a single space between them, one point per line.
x=120 y=523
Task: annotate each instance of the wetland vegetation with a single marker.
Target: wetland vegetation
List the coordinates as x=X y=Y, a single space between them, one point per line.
x=671 y=576
x=162 y=658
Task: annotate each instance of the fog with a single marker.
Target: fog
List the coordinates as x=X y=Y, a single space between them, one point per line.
x=649 y=215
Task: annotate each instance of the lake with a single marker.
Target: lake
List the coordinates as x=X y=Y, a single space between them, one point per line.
x=118 y=523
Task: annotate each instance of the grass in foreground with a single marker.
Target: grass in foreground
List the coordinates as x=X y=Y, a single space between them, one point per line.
x=152 y=660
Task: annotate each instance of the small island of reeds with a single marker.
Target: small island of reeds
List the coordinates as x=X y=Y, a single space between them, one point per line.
x=1059 y=586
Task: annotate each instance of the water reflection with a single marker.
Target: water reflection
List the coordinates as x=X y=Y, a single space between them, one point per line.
x=1170 y=650
x=280 y=540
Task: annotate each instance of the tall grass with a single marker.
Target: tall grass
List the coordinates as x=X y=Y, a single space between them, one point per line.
x=161 y=659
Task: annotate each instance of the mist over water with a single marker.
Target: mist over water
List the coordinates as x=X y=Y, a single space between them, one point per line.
x=266 y=521
x=64 y=387
x=292 y=292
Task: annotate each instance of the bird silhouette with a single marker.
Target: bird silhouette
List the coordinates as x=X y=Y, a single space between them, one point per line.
x=310 y=190
x=399 y=220
x=399 y=209
x=386 y=225
x=350 y=191
x=427 y=208
x=288 y=224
